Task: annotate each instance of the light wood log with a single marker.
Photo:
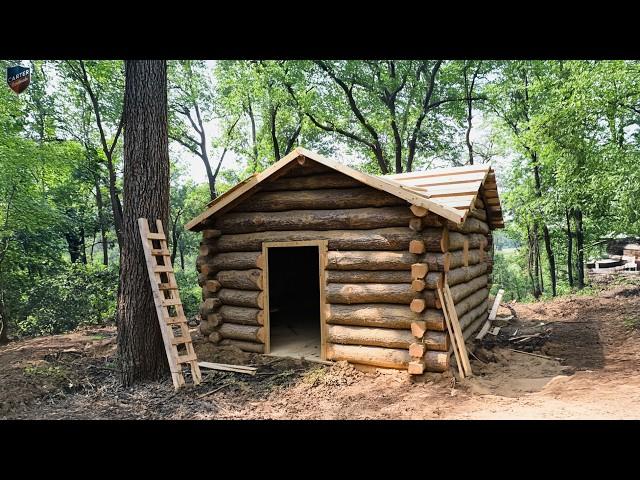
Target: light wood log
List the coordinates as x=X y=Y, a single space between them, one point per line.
x=419 y=270
x=241 y=279
x=416 y=367
x=233 y=261
x=417 y=305
x=242 y=332
x=435 y=361
x=376 y=356
x=394 y=238
x=418 y=211
x=465 y=274
x=369 y=293
x=368 y=276
x=438 y=262
x=463 y=290
x=244 y=346
x=417 y=247
x=370 y=315
x=457 y=258
x=312 y=182
x=436 y=341
x=337 y=198
x=478 y=213
x=418 y=328
x=241 y=298
x=417 y=350
x=210 y=305
x=380 y=337
x=211 y=286
x=472 y=301
x=342 y=219
x=368 y=260
x=241 y=315
x=418 y=285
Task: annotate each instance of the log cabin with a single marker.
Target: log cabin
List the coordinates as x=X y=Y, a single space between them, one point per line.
x=313 y=258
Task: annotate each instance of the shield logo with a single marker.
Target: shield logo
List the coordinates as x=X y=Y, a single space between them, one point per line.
x=18 y=78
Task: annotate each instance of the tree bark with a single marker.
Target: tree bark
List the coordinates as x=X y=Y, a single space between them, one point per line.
x=146 y=192
x=580 y=247
x=569 y=249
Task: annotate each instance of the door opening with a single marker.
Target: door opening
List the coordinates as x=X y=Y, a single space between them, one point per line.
x=294 y=317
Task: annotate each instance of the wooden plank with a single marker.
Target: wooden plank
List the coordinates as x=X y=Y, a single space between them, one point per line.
x=155 y=236
x=460 y=179
x=229 y=368
x=439 y=172
x=454 y=343
x=453 y=316
x=186 y=358
x=496 y=304
x=484 y=330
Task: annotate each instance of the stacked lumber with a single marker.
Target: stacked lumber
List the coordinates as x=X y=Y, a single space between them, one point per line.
x=461 y=262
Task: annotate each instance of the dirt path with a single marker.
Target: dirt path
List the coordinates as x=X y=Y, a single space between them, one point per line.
x=596 y=376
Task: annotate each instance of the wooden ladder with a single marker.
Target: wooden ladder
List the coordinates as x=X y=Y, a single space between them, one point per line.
x=166 y=297
x=455 y=331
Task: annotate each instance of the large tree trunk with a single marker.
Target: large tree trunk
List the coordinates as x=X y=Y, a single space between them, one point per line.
x=146 y=193
x=580 y=248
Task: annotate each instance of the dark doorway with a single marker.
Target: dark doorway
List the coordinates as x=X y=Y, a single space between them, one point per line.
x=294 y=301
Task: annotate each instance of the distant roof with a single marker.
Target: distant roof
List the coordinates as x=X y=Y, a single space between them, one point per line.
x=448 y=192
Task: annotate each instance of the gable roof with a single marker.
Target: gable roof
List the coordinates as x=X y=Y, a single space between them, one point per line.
x=423 y=189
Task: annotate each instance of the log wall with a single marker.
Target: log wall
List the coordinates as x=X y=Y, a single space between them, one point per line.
x=383 y=266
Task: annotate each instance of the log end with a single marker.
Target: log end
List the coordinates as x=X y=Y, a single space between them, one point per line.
x=418 y=305
x=416 y=367
x=419 y=211
x=417 y=247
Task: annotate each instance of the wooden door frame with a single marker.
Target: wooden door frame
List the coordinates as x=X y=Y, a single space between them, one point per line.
x=322 y=263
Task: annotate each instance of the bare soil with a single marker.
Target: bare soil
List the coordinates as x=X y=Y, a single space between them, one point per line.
x=593 y=373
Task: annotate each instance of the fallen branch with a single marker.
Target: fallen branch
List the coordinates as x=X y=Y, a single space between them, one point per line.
x=534 y=354
x=213 y=391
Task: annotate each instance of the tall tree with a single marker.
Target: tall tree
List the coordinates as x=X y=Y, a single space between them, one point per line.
x=146 y=195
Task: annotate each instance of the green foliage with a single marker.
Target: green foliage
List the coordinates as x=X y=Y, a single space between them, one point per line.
x=72 y=296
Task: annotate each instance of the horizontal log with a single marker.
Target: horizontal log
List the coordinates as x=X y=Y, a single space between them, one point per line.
x=339 y=219
x=312 y=182
x=241 y=279
x=475 y=240
x=369 y=293
x=438 y=341
x=438 y=262
x=472 y=301
x=417 y=350
x=472 y=225
x=418 y=305
x=211 y=286
x=462 y=290
x=214 y=337
x=434 y=280
x=474 y=257
x=431 y=299
x=475 y=326
x=233 y=261
x=206 y=328
x=210 y=305
x=241 y=315
x=213 y=319
x=435 y=361
x=306 y=168
x=465 y=274
x=368 y=276
x=394 y=238
x=369 y=260
x=468 y=318
x=376 y=356
x=428 y=319
x=208 y=250
x=435 y=239
x=209 y=234
x=242 y=332
x=241 y=298
x=416 y=367
x=371 y=315
x=380 y=337
x=244 y=346
x=328 y=199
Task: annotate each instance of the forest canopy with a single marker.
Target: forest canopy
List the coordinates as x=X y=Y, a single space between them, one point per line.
x=563 y=136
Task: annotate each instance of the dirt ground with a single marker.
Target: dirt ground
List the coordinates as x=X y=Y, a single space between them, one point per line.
x=593 y=373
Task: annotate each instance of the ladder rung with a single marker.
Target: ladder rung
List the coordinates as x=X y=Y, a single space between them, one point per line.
x=180 y=340
x=167 y=302
x=160 y=251
x=167 y=286
x=186 y=358
x=162 y=268
x=175 y=320
x=156 y=236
